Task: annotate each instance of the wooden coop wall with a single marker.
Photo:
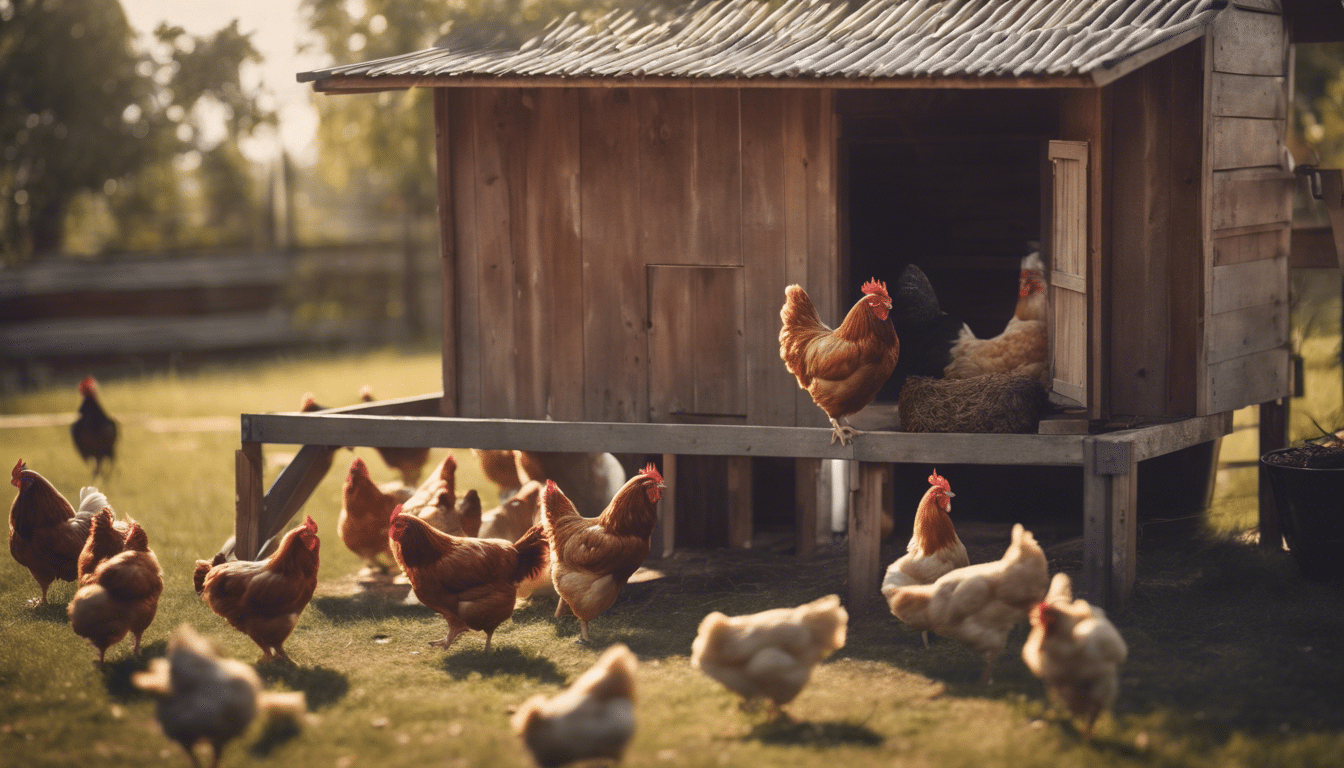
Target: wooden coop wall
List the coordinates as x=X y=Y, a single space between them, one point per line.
x=621 y=254
x=1248 y=65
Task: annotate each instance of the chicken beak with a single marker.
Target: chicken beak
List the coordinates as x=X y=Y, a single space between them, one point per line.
x=949 y=494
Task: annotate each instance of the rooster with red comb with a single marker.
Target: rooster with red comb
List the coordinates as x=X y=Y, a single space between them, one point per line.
x=842 y=369
x=94 y=432
x=592 y=558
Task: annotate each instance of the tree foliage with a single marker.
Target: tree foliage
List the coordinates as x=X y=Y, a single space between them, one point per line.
x=84 y=111
x=1319 y=104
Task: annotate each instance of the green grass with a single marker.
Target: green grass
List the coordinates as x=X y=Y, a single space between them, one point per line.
x=1234 y=659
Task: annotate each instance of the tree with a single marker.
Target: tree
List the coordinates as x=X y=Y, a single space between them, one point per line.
x=84 y=112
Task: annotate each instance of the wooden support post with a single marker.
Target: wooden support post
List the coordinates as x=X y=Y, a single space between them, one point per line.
x=290 y=491
x=865 y=542
x=664 y=539
x=739 y=502
x=806 y=483
x=1110 y=521
x=1273 y=436
x=248 y=500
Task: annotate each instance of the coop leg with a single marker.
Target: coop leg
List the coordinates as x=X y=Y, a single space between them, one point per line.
x=664 y=538
x=806 y=479
x=739 y=502
x=248 y=501
x=1273 y=436
x=1110 y=496
x=865 y=540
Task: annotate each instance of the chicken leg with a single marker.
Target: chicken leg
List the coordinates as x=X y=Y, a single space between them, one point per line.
x=843 y=431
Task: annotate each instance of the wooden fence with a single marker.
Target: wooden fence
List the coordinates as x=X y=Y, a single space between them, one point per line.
x=229 y=300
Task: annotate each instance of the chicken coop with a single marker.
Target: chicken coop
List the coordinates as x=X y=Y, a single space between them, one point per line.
x=623 y=201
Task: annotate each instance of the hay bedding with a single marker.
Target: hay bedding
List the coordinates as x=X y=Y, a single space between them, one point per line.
x=994 y=402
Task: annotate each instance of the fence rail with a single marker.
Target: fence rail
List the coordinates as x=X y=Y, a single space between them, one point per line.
x=152 y=303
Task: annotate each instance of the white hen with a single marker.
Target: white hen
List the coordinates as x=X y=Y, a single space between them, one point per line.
x=770 y=654
x=594 y=718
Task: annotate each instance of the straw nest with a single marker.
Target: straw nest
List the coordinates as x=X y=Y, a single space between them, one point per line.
x=994 y=402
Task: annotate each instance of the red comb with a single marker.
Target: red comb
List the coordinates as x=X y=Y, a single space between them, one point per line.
x=877 y=288
x=18 y=470
x=395 y=511
x=359 y=466
x=309 y=524
x=651 y=471
x=88 y=386
x=939 y=481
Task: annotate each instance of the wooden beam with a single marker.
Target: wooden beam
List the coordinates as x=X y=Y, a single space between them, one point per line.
x=290 y=491
x=1273 y=436
x=1110 y=496
x=691 y=439
x=664 y=539
x=865 y=541
x=1160 y=439
x=247 y=501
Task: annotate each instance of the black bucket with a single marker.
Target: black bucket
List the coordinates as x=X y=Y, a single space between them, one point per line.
x=1310 y=504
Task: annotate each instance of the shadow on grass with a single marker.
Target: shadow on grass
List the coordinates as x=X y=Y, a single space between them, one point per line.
x=117 y=673
x=56 y=613
x=815 y=734
x=501 y=660
x=276 y=734
x=322 y=687
x=366 y=606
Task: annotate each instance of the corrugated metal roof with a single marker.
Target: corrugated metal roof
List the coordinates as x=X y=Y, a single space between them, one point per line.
x=743 y=39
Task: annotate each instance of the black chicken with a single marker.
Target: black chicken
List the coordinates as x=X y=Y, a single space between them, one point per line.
x=926 y=332
x=94 y=432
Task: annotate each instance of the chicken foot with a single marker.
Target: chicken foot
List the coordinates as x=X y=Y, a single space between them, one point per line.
x=843 y=431
x=447 y=641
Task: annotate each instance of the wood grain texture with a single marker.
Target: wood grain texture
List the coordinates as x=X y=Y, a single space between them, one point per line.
x=1244 y=331
x=667 y=186
x=1253 y=246
x=865 y=542
x=501 y=142
x=739 y=502
x=1255 y=378
x=1067 y=243
x=772 y=387
x=466 y=346
x=716 y=213
x=1244 y=142
x=558 y=241
x=672 y=342
x=247 y=500
x=684 y=439
x=1249 y=96
x=443 y=155
x=1248 y=43
x=696 y=330
x=1243 y=198
x=1238 y=286
x=806 y=484
x=615 y=315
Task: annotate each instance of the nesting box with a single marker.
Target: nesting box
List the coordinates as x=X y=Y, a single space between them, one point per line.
x=623 y=202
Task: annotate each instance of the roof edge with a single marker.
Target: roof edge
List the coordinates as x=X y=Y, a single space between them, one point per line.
x=365 y=84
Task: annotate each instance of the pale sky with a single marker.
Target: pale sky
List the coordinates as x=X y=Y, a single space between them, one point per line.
x=278 y=31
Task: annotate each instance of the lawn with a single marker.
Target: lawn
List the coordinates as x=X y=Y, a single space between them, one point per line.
x=1234 y=659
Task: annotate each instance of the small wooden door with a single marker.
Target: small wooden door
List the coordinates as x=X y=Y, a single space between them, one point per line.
x=1065 y=244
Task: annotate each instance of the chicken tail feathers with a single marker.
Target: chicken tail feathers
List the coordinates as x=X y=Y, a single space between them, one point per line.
x=911 y=605
x=532 y=554
x=202 y=568
x=91 y=499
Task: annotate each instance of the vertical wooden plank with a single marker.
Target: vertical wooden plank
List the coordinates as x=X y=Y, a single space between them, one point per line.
x=247 y=500
x=526 y=166
x=559 y=245
x=806 y=479
x=1139 y=249
x=1067 y=244
x=719 y=335
x=615 y=312
x=771 y=386
x=664 y=539
x=1274 y=420
x=1188 y=249
x=666 y=165
x=1085 y=115
x=716 y=186
x=865 y=542
x=797 y=106
x=466 y=348
x=443 y=154
x=739 y=501
x=823 y=268
x=1124 y=535
x=1097 y=529
x=672 y=310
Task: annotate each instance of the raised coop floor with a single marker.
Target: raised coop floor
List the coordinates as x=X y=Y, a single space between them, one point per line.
x=1109 y=462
